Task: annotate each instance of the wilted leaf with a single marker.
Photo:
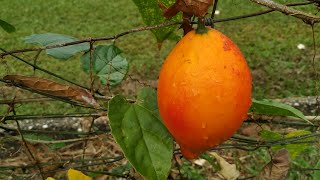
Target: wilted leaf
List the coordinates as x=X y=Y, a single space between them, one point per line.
x=198 y=8
x=277 y=168
x=294 y=149
x=228 y=171
x=152 y=15
x=50 y=39
x=7 y=27
x=53 y=89
x=274 y=108
x=145 y=141
x=77 y=175
x=107 y=64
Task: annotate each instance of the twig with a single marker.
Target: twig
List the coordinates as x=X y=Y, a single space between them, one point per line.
x=86 y=141
x=68 y=161
x=52 y=132
x=307 y=18
x=119 y=158
x=49 y=142
x=91 y=69
x=91 y=39
x=28 y=150
x=35 y=61
x=52 y=116
x=214 y=11
x=210 y=21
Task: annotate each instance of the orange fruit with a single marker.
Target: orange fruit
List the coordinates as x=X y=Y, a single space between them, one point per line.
x=204 y=91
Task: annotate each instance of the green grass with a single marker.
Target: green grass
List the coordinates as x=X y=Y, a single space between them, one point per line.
x=268 y=42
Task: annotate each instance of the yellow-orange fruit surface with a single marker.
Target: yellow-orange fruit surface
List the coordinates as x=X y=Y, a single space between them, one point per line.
x=204 y=91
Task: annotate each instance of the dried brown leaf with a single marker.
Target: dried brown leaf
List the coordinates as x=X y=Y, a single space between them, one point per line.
x=277 y=168
x=48 y=87
x=198 y=8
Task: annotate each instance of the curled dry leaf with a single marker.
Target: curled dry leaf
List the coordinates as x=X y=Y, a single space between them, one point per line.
x=228 y=171
x=189 y=8
x=53 y=89
x=198 y=8
x=277 y=168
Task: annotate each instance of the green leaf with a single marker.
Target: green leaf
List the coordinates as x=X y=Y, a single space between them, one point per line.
x=274 y=108
x=107 y=64
x=145 y=141
x=316 y=174
x=152 y=14
x=7 y=27
x=50 y=39
x=294 y=149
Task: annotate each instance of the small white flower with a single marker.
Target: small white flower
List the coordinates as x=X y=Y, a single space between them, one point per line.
x=217 y=12
x=79 y=130
x=30 y=127
x=45 y=126
x=301 y=46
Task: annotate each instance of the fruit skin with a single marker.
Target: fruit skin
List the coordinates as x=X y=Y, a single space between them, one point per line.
x=204 y=91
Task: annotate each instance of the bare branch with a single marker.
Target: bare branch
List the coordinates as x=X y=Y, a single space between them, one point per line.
x=307 y=18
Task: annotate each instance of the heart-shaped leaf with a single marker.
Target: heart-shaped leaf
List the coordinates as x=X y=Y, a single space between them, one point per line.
x=107 y=64
x=49 y=39
x=145 y=141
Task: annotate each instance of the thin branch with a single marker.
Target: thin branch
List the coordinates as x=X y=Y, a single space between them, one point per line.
x=116 y=159
x=49 y=142
x=210 y=21
x=91 y=68
x=307 y=18
x=53 y=132
x=51 y=116
x=214 y=11
x=86 y=141
x=28 y=150
x=88 y=40
x=68 y=161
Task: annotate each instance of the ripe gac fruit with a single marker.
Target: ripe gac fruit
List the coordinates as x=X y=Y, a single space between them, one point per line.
x=204 y=91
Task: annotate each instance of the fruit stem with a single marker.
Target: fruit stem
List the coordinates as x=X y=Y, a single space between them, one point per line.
x=201 y=29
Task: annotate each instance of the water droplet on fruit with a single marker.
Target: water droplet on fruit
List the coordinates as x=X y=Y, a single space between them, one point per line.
x=194 y=92
x=206 y=138
x=183 y=83
x=203 y=125
x=174 y=84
